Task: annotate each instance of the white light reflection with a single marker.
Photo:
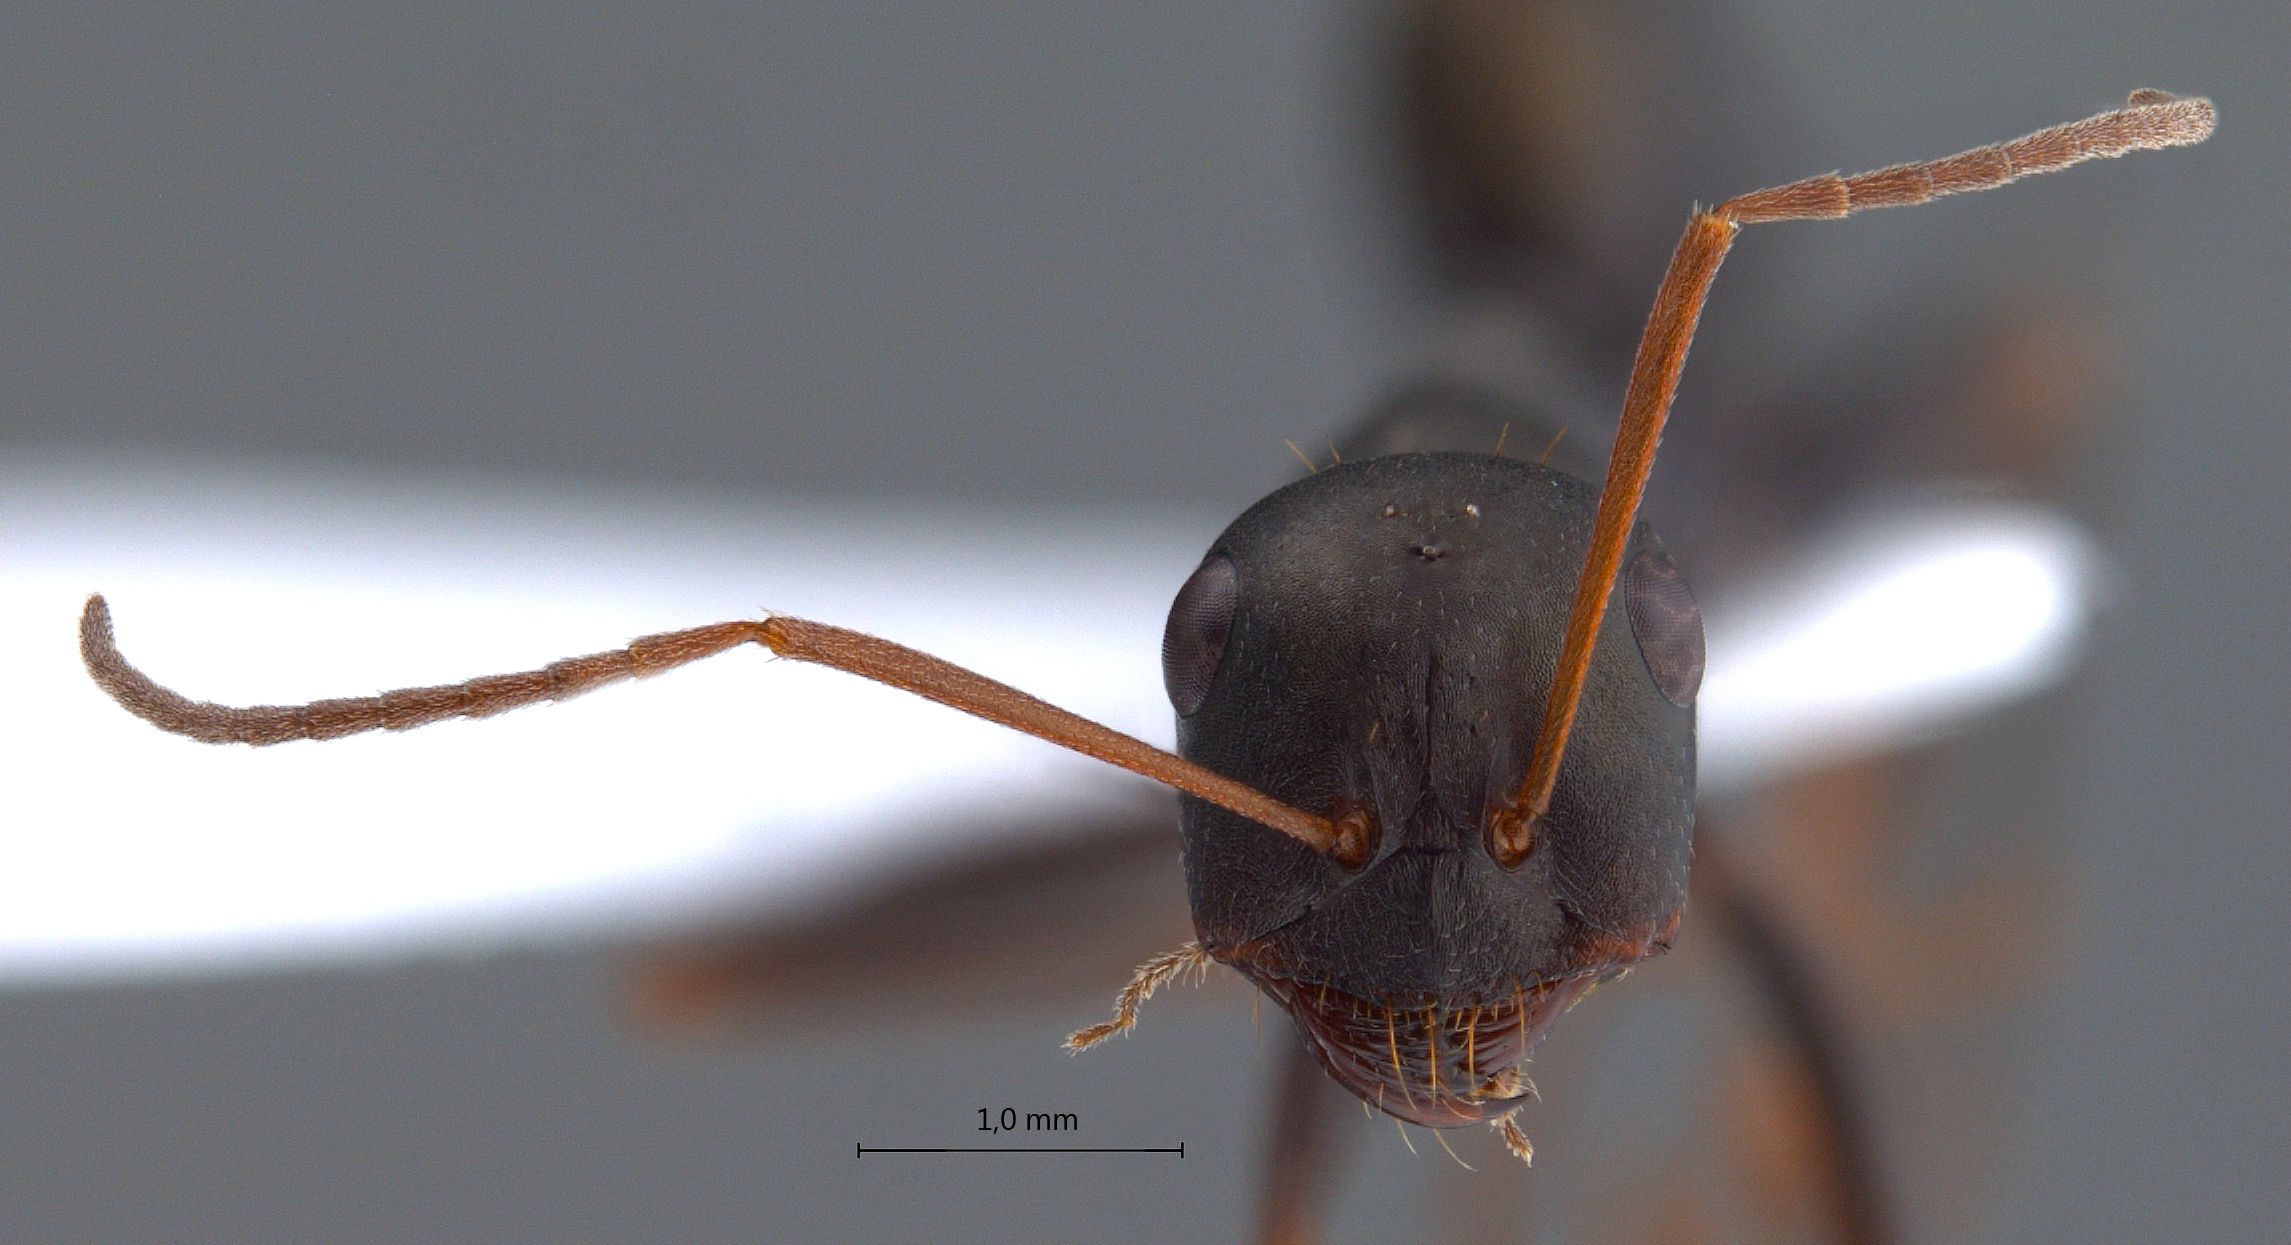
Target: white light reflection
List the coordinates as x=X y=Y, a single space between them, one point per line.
x=743 y=784
x=1895 y=629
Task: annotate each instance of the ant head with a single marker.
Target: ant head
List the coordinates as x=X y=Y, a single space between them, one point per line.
x=1373 y=644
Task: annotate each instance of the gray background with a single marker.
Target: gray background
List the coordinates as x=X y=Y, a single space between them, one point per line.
x=1034 y=256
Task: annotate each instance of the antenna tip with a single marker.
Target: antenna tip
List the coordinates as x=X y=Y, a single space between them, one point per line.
x=2181 y=119
x=95 y=627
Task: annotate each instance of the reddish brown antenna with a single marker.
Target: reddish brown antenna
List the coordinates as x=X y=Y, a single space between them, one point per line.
x=850 y=651
x=2148 y=121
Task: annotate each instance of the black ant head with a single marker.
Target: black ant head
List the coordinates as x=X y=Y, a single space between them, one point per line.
x=1374 y=644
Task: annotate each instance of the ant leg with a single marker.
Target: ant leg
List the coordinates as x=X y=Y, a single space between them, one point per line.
x=1299 y=1163
x=1811 y=1024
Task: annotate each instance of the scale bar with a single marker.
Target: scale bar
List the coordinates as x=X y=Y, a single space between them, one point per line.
x=1178 y=1150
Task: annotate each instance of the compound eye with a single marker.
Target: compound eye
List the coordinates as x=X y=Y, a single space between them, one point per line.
x=1199 y=621
x=1667 y=624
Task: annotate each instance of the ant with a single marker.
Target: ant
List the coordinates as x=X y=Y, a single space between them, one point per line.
x=1434 y=792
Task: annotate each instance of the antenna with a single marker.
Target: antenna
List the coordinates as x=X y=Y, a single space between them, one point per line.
x=2149 y=120
x=853 y=652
